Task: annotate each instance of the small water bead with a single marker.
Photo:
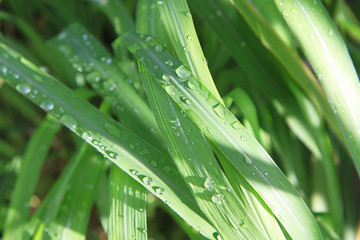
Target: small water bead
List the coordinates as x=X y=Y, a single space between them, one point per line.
x=93 y=77
x=182 y=72
x=247 y=160
x=159 y=48
x=186 y=49
x=16 y=76
x=266 y=173
x=281 y=4
x=85 y=37
x=160 y=2
x=149 y=38
x=188 y=14
x=134 y=172
x=169 y=63
x=159 y=190
x=217 y=198
x=184 y=100
x=3 y=70
x=87 y=136
x=69 y=121
x=23 y=88
x=47 y=105
x=209 y=184
x=236 y=125
x=167 y=168
x=189 y=37
x=146 y=180
x=192 y=85
x=219 y=110
x=142 y=210
x=331 y=32
x=156 y=66
x=96 y=143
x=112 y=155
x=243 y=138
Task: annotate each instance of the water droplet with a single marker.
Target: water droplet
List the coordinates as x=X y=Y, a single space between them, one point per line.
x=69 y=121
x=142 y=210
x=93 y=77
x=159 y=190
x=165 y=77
x=146 y=180
x=184 y=100
x=134 y=172
x=188 y=14
x=169 y=63
x=182 y=72
x=96 y=143
x=16 y=76
x=3 y=70
x=243 y=138
x=219 y=110
x=159 y=48
x=281 y=4
x=217 y=198
x=266 y=173
x=23 y=88
x=186 y=49
x=236 y=125
x=253 y=173
x=87 y=136
x=189 y=37
x=209 y=184
x=47 y=105
x=247 y=160
x=149 y=38
x=331 y=32
x=156 y=66
x=167 y=168
x=209 y=130
x=192 y=85
x=159 y=2
x=85 y=37
x=112 y=154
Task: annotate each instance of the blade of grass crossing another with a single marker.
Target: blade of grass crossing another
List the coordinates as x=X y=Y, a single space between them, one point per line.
x=127 y=219
x=328 y=55
x=31 y=164
x=145 y=164
x=222 y=128
x=193 y=157
x=181 y=31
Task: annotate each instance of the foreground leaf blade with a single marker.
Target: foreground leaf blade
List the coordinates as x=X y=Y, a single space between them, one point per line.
x=327 y=52
x=146 y=165
x=236 y=143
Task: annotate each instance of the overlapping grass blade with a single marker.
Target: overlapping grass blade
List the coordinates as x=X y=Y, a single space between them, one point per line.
x=127 y=219
x=325 y=49
x=192 y=154
x=235 y=142
x=92 y=60
x=145 y=164
x=31 y=164
x=73 y=215
x=181 y=31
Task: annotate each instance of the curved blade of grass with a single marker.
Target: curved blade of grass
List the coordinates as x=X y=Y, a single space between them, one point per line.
x=44 y=216
x=234 y=30
x=145 y=164
x=127 y=218
x=73 y=216
x=181 y=31
x=31 y=164
x=236 y=143
x=195 y=162
x=90 y=58
x=327 y=53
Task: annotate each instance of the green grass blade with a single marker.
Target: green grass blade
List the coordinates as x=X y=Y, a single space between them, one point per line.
x=127 y=218
x=326 y=51
x=193 y=157
x=92 y=60
x=181 y=31
x=28 y=175
x=222 y=128
x=145 y=164
x=73 y=216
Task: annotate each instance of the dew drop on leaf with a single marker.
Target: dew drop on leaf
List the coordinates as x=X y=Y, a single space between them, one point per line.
x=146 y=180
x=87 y=136
x=209 y=184
x=23 y=88
x=47 y=105
x=217 y=198
x=69 y=121
x=182 y=72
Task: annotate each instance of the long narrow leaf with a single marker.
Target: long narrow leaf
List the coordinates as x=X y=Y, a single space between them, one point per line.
x=221 y=127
